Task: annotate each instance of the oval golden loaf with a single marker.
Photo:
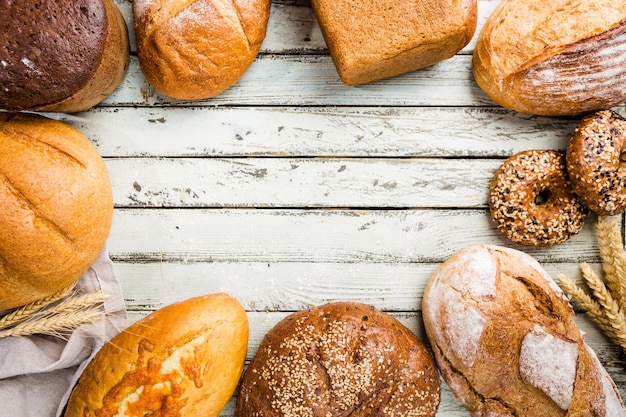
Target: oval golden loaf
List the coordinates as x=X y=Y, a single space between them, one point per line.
x=57 y=207
x=182 y=360
x=554 y=58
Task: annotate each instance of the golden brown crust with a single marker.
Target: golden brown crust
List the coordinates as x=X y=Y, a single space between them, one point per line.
x=57 y=207
x=557 y=58
x=66 y=56
x=184 y=359
x=505 y=339
x=339 y=359
x=196 y=49
x=595 y=162
x=375 y=39
x=531 y=200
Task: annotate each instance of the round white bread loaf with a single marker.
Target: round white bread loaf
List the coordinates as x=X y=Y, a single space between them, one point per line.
x=182 y=360
x=505 y=340
x=191 y=50
x=554 y=58
x=57 y=207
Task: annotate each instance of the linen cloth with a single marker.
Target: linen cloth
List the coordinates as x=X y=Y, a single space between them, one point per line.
x=37 y=373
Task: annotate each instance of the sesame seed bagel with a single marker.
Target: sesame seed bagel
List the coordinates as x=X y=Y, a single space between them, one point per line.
x=340 y=359
x=531 y=199
x=595 y=163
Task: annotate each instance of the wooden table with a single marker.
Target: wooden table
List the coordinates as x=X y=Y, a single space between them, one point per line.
x=291 y=190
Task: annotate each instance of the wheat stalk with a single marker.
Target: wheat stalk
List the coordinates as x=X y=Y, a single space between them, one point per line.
x=54 y=324
x=606 y=305
x=52 y=315
x=27 y=311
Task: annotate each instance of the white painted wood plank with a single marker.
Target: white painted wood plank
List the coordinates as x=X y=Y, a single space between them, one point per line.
x=303 y=80
x=311 y=182
x=335 y=236
x=288 y=286
x=319 y=131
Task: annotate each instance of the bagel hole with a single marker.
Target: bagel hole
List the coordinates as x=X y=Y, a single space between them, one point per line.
x=542 y=197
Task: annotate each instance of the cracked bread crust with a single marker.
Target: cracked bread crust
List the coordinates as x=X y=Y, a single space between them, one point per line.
x=57 y=207
x=183 y=359
x=196 y=49
x=505 y=340
x=339 y=359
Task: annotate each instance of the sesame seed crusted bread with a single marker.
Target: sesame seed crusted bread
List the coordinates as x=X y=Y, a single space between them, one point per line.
x=373 y=39
x=595 y=162
x=336 y=360
x=553 y=58
x=532 y=202
x=505 y=339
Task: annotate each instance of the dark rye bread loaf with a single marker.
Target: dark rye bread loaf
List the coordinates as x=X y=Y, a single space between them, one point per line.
x=65 y=55
x=336 y=360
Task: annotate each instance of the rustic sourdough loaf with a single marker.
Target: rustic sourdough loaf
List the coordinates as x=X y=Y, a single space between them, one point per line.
x=554 y=58
x=192 y=50
x=373 y=39
x=182 y=360
x=340 y=359
x=64 y=56
x=505 y=340
x=57 y=207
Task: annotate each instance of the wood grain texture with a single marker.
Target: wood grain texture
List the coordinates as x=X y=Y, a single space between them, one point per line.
x=292 y=190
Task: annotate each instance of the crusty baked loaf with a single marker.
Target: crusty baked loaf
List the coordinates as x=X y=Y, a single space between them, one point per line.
x=373 y=39
x=182 y=360
x=64 y=56
x=57 y=206
x=336 y=360
x=504 y=337
x=192 y=50
x=554 y=58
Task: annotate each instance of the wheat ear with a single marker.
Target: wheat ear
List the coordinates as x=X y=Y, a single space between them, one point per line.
x=27 y=311
x=611 y=308
x=54 y=324
x=591 y=307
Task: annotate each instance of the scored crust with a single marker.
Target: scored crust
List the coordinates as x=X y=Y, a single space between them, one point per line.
x=505 y=339
x=339 y=359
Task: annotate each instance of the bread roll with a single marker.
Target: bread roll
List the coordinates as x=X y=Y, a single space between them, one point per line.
x=505 y=340
x=182 y=360
x=339 y=359
x=57 y=206
x=63 y=56
x=192 y=50
x=554 y=58
x=373 y=39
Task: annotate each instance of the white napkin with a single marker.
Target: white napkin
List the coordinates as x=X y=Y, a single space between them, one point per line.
x=37 y=373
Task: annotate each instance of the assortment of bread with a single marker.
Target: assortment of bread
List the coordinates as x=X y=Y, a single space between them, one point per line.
x=504 y=337
x=183 y=359
x=62 y=56
x=501 y=331
x=56 y=197
x=555 y=58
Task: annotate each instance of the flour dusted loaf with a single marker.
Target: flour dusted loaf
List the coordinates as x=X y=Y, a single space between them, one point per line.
x=57 y=207
x=505 y=340
x=373 y=39
x=192 y=50
x=64 y=56
x=182 y=360
x=554 y=58
x=340 y=359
